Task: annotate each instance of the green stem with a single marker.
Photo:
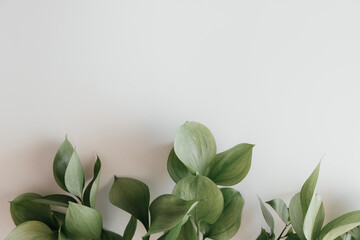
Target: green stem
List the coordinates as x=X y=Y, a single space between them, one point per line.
x=282 y=232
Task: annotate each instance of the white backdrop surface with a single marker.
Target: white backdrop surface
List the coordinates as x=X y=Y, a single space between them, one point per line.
x=119 y=77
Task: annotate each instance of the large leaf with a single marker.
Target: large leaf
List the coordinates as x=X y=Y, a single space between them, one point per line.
x=91 y=190
x=280 y=208
x=132 y=196
x=32 y=230
x=227 y=225
x=83 y=222
x=308 y=189
x=314 y=218
x=130 y=228
x=340 y=225
x=230 y=167
x=74 y=176
x=23 y=208
x=56 y=200
x=177 y=170
x=201 y=188
x=297 y=216
x=61 y=162
x=195 y=146
x=267 y=216
x=167 y=211
x=108 y=235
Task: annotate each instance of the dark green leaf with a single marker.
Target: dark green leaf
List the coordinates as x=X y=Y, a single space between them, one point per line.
x=297 y=216
x=227 y=225
x=56 y=200
x=201 y=188
x=176 y=168
x=280 y=208
x=230 y=167
x=74 y=176
x=267 y=216
x=61 y=162
x=82 y=221
x=32 y=230
x=265 y=235
x=132 y=196
x=130 y=229
x=59 y=217
x=195 y=146
x=308 y=189
x=108 y=235
x=91 y=190
x=23 y=209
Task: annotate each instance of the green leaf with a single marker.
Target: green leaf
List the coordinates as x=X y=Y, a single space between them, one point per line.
x=195 y=146
x=227 y=225
x=314 y=218
x=130 y=229
x=82 y=221
x=174 y=232
x=201 y=188
x=24 y=209
x=340 y=225
x=61 y=162
x=297 y=216
x=108 y=235
x=187 y=232
x=74 y=176
x=132 y=196
x=355 y=233
x=59 y=217
x=92 y=189
x=55 y=200
x=167 y=211
x=231 y=167
x=264 y=235
x=32 y=230
x=280 y=208
x=267 y=215
x=308 y=189
x=176 y=168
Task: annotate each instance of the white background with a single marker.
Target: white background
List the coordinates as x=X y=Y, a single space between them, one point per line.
x=119 y=77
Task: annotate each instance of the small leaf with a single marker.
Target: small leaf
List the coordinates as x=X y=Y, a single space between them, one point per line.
x=280 y=208
x=264 y=235
x=108 y=235
x=311 y=225
x=340 y=225
x=91 y=190
x=201 y=188
x=176 y=168
x=23 y=209
x=231 y=167
x=297 y=216
x=227 y=225
x=61 y=162
x=130 y=229
x=195 y=146
x=308 y=189
x=56 y=200
x=83 y=222
x=32 y=230
x=132 y=196
x=166 y=211
x=74 y=176
x=267 y=215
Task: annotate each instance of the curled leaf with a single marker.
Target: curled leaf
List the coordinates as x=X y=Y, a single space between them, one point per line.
x=177 y=170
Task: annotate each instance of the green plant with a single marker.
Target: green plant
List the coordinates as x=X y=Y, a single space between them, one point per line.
x=305 y=217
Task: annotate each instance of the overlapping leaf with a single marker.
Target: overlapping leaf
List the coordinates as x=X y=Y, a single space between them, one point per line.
x=32 y=230
x=74 y=176
x=177 y=170
x=91 y=190
x=61 y=162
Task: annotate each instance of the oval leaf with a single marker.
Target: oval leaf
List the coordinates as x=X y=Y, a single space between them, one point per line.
x=297 y=216
x=132 y=196
x=167 y=211
x=176 y=168
x=308 y=189
x=56 y=200
x=267 y=215
x=74 y=176
x=195 y=146
x=340 y=226
x=92 y=189
x=61 y=162
x=230 y=167
x=83 y=222
x=201 y=188
x=23 y=208
x=32 y=230
x=227 y=225
x=280 y=208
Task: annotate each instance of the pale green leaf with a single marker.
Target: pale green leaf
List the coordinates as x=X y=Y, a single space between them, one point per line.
x=177 y=170
x=32 y=230
x=74 y=176
x=61 y=162
x=201 y=188
x=82 y=221
x=56 y=200
x=195 y=146
x=267 y=215
x=91 y=190
x=280 y=208
x=230 y=167
x=309 y=227
x=308 y=189
x=130 y=228
x=132 y=196
x=297 y=216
